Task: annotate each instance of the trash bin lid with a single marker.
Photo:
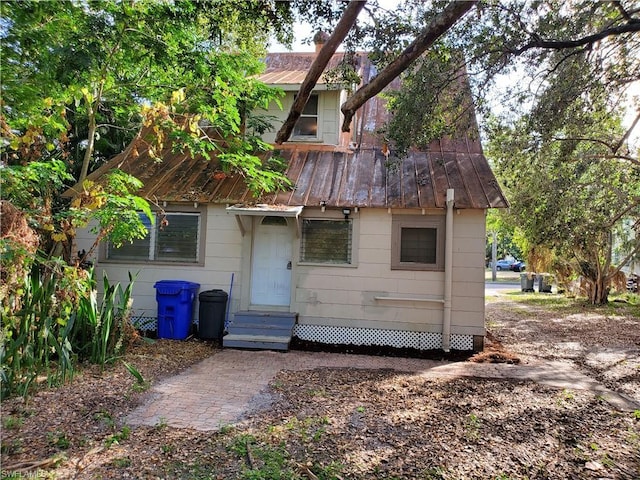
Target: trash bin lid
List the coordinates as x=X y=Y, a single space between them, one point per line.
x=212 y=294
x=174 y=287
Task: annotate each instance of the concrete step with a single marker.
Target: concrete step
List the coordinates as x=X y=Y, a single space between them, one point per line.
x=258 y=342
x=259 y=329
x=283 y=319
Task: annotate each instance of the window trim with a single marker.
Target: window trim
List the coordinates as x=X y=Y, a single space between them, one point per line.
x=399 y=222
x=171 y=209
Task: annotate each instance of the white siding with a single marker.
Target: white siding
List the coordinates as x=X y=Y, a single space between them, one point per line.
x=335 y=295
x=223 y=250
x=345 y=296
x=328 y=116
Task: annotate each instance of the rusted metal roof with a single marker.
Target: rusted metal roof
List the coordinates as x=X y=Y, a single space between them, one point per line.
x=337 y=178
x=291 y=68
x=335 y=175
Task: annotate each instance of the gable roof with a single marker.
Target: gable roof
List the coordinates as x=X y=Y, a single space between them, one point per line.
x=334 y=175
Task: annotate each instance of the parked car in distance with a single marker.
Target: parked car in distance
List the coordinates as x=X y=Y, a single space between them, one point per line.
x=503 y=264
x=518 y=266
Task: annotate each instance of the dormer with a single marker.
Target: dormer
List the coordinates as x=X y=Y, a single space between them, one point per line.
x=321 y=119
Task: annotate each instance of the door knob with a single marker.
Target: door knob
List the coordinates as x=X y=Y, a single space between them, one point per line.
x=289 y=265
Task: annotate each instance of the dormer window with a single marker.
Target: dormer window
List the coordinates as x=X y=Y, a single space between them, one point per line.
x=307 y=124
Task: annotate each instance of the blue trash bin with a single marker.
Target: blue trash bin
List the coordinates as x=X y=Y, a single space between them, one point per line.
x=175 y=307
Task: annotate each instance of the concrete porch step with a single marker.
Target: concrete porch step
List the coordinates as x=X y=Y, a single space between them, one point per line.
x=260 y=330
x=258 y=342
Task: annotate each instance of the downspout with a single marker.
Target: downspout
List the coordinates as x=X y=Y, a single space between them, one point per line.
x=448 y=273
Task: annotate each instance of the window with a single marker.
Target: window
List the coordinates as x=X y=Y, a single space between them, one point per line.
x=326 y=241
x=174 y=238
x=307 y=124
x=417 y=242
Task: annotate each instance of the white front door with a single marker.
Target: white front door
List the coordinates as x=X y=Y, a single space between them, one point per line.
x=271 y=262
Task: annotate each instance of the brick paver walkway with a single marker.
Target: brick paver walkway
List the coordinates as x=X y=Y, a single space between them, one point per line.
x=221 y=389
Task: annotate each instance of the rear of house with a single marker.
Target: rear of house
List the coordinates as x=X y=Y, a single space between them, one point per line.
x=366 y=249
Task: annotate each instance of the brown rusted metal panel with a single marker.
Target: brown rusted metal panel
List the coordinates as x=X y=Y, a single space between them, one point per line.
x=409 y=185
x=394 y=185
x=378 y=187
x=456 y=181
x=423 y=181
x=493 y=193
x=304 y=180
x=320 y=183
x=476 y=194
x=440 y=180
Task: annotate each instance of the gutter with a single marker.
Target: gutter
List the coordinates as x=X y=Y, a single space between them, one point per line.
x=448 y=272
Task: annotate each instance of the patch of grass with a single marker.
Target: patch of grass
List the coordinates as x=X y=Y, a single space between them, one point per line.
x=360 y=409
x=317 y=393
x=167 y=448
x=264 y=461
x=12 y=447
x=121 y=462
x=435 y=473
x=118 y=437
x=161 y=424
x=105 y=417
x=472 y=426
x=566 y=396
x=11 y=422
x=59 y=440
x=226 y=429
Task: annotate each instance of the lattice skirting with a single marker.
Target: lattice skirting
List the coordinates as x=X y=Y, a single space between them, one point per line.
x=373 y=336
x=145 y=323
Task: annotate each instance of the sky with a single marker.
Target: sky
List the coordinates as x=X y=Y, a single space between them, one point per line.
x=304 y=30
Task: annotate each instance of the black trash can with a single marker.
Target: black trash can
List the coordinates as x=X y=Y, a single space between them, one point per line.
x=213 y=306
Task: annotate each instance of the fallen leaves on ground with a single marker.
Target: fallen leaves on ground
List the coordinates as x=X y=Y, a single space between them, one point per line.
x=353 y=424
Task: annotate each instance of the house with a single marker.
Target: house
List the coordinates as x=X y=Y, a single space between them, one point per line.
x=357 y=253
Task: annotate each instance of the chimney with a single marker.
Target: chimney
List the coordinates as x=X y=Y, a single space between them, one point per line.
x=320 y=39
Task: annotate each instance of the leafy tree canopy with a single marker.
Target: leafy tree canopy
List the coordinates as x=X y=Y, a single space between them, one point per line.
x=78 y=75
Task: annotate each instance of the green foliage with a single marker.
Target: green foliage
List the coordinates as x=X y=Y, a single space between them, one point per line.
x=434 y=101
x=101 y=328
x=568 y=193
x=78 y=79
x=118 y=437
x=54 y=320
x=141 y=384
x=35 y=333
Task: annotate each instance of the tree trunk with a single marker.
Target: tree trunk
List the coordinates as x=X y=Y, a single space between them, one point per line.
x=439 y=25
x=91 y=140
x=599 y=294
x=347 y=21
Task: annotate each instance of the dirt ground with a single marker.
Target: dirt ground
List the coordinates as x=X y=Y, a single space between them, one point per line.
x=356 y=424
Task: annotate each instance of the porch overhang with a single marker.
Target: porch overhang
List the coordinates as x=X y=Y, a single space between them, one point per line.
x=264 y=210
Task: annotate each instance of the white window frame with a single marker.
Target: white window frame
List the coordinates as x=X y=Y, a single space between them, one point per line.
x=318 y=134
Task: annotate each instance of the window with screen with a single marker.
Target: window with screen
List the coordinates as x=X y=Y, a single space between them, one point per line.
x=417 y=242
x=326 y=241
x=175 y=237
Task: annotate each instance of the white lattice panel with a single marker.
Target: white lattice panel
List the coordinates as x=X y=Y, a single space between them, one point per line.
x=462 y=342
x=145 y=323
x=372 y=336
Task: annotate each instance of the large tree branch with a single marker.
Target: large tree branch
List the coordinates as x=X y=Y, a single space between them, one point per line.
x=347 y=21
x=627 y=133
x=438 y=26
x=631 y=26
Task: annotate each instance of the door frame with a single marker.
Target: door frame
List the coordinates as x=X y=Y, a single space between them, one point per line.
x=247 y=264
